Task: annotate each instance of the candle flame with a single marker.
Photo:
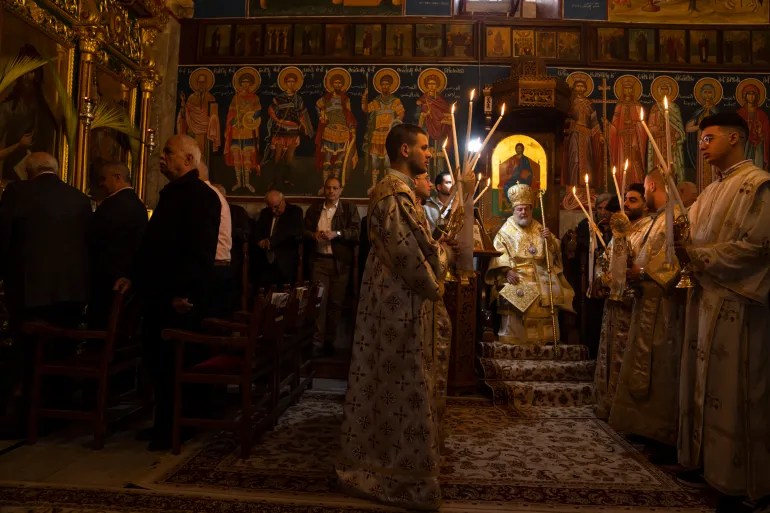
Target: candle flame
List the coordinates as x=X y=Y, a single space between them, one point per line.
x=489 y=180
x=625 y=166
x=641 y=113
x=502 y=110
x=613 y=170
x=574 y=190
x=446 y=141
x=586 y=178
x=478 y=177
x=665 y=102
x=453 y=108
x=473 y=94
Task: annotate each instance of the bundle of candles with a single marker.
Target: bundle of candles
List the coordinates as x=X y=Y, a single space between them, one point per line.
x=665 y=165
x=473 y=150
x=460 y=221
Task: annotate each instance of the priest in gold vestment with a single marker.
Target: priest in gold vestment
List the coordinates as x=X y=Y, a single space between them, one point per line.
x=645 y=402
x=522 y=270
x=617 y=314
x=390 y=436
x=724 y=420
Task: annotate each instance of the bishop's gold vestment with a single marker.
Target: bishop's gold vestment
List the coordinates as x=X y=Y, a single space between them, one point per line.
x=524 y=249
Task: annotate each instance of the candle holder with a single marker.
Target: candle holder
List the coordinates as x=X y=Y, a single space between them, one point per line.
x=682 y=234
x=150 y=141
x=87 y=111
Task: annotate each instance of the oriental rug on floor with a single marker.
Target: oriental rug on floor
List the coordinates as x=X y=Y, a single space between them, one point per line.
x=493 y=461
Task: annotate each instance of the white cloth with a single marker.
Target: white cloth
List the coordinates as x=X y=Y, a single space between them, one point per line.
x=225 y=237
x=325 y=224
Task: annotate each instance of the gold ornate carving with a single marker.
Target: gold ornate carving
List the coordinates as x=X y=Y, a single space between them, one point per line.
x=536 y=97
x=148 y=31
x=90 y=38
x=121 y=29
x=30 y=11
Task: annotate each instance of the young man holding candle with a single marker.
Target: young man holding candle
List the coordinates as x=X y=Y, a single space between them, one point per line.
x=616 y=317
x=724 y=417
x=645 y=403
x=396 y=364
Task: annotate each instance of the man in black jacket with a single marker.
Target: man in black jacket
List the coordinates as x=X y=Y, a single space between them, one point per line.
x=331 y=233
x=117 y=227
x=43 y=248
x=277 y=238
x=173 y=268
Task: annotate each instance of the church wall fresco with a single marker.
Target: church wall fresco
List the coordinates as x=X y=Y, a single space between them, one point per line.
x=210 y=107
x=258 y=133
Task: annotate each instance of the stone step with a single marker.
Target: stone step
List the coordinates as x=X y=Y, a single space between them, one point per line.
x=537 y=370
x=538 y=393
x=502 y=351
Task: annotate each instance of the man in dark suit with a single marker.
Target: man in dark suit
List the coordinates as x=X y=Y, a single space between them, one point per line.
x=117 y=227
x=277 y=238
x=173 y=268
x=43 y=247
x=332 y=233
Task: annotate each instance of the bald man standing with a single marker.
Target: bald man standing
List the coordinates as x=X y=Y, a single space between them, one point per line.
x=116 y=230
x=277 y=238
x=43 y=249
x=174 y=267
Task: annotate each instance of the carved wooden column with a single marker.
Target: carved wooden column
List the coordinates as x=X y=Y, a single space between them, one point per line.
x=148 y=83
x=90 y=40
x=460 y=301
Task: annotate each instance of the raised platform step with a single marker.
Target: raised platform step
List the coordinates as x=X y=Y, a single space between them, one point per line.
x=502 y=351
x=527 y=394
x=537 y=370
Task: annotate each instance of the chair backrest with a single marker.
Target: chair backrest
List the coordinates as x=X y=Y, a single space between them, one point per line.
x=122 y=333
x=245 y=283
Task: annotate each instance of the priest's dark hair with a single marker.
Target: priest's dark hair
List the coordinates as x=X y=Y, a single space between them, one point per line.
x=405 y=133
x=636 y=187
x=729 y=120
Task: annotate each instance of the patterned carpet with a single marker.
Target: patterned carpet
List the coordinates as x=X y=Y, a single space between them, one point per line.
x=493 y=462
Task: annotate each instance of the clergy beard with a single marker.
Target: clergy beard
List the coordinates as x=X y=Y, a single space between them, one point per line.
x=634 y=213
x=523 y=223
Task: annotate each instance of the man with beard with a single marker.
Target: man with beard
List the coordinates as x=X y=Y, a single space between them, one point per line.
x=443 y=201
x=390 y=438
x=646 y=400
x=617 y=314
x=523 y=242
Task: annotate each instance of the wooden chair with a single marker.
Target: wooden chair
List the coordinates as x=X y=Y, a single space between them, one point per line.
x=80 y=354
x=242 y=358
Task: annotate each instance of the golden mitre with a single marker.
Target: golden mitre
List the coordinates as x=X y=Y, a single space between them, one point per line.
x=521 y=194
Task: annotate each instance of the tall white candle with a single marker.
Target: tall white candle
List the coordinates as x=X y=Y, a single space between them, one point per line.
x=623 y=189
x=590 y=221
x=468 y=130
x=486 y=139
x=446 y=156
x=652 y=139
x=668 y=135
x=615 y=180
x=454 y=139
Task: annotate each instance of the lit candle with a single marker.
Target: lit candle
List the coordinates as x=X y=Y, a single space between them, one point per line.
x=446 y=157
x=588 y=198
x=454 y=139
x=623 y=189
x=489 y=182
x=615 y=180
x=668 y=135
x=590 y=221
x=483 y=144
x=468 y=130
x=652 y=139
